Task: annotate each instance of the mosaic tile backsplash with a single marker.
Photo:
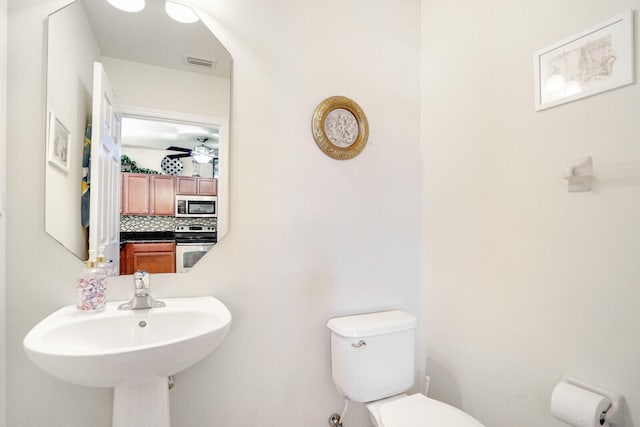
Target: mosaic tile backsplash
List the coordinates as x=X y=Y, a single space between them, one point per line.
x=132 y=223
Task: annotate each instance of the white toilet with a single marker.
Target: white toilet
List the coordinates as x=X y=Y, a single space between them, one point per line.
x=373 y=361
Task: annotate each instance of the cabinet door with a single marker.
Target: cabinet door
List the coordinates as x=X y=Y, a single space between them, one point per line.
x=135 y=194
x=162 y=195
x=123 y=260
x=186 y=185
x=207 y=186
x=150 y=257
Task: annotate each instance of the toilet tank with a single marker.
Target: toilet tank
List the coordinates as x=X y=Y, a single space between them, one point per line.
x=373 y=355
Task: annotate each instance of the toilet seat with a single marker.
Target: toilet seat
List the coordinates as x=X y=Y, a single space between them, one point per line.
x=417 y=410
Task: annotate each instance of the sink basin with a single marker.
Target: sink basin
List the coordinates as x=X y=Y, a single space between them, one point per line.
x=132 y=350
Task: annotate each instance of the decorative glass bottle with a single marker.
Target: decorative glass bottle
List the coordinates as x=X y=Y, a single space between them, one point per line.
x=92 y=283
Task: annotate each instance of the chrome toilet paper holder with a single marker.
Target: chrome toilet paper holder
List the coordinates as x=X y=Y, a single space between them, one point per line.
x=614 y=414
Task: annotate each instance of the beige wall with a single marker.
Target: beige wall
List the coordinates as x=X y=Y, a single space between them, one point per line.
x=3 y=265
x=524 y=282
x=310 y=237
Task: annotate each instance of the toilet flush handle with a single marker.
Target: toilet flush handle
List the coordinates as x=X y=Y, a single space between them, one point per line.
x=359 y=344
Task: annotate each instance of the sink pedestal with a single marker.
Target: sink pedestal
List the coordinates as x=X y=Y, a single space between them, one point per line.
x=132 y=351
x=144 y=404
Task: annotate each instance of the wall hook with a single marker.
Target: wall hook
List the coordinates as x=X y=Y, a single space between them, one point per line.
x=579 y=174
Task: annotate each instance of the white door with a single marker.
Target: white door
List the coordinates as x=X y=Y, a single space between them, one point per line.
x=104 y=227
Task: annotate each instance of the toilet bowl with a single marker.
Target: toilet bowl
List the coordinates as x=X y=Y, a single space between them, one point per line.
x=374 y=408
x=417 y=410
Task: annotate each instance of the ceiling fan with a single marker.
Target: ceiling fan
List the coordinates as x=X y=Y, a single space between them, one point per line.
x=200 y=153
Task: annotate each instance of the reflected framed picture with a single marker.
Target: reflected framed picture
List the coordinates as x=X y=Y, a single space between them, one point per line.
x=340 y=127
x=591 y=62
x=59 y=143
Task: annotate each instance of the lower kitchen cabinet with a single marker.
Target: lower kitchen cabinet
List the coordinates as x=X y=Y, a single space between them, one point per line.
x=150 y=257
x=123 y=259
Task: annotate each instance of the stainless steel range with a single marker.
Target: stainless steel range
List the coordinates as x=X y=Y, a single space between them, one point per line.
x=192 y=243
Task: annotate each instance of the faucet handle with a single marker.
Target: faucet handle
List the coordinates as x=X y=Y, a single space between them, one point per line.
x=141 y=283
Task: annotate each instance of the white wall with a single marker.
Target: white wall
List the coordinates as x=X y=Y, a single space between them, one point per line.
x=3 y=265
x=310 y=237
x=71 y=52
x=524 y=282
x=142 y=85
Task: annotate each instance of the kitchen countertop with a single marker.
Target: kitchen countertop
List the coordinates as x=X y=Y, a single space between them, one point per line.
x=147 y=236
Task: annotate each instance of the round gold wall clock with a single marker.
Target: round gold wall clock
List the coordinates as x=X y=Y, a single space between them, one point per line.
x=340 y=127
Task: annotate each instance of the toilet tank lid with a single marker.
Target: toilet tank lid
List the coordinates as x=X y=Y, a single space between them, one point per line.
x=366 y=325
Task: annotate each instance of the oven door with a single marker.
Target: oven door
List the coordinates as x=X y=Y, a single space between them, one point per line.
x=188 y=254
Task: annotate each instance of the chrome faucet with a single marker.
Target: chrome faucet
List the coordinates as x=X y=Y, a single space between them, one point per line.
x=142 y=294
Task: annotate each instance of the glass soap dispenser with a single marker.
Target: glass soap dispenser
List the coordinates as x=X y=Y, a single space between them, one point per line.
x=92 y=283
x=107 y=266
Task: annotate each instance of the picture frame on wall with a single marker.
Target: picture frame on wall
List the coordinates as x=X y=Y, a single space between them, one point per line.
x=59 y=143
x=591 y=62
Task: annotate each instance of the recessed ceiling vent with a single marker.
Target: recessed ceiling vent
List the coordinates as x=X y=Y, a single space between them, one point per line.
x=200 y=62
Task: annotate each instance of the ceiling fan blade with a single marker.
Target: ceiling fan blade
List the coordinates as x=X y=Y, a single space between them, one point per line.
x=172 y=148
x=177 y=156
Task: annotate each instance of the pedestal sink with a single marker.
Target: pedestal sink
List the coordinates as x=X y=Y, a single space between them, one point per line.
x=133 y=351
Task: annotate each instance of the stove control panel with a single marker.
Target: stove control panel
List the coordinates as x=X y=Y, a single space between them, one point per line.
x=196 y=228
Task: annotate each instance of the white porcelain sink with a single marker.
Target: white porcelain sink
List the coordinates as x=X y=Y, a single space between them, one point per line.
x=132 y=350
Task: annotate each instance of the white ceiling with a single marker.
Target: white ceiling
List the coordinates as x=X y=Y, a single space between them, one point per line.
x=160 y=134
x=152 y=37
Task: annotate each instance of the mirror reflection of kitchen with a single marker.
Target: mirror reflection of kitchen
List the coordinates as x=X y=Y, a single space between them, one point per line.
x=151 y=95
x=168 y=213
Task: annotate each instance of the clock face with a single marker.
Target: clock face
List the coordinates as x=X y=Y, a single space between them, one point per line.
x=171 y=166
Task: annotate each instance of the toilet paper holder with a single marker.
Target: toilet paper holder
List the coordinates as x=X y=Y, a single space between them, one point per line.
x=614 y=414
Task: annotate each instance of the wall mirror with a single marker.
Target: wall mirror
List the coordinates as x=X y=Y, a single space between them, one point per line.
x=137 y=138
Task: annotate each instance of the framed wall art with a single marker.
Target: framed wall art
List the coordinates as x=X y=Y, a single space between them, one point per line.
x=59 y=142
x=588 y=63
x=340 y=127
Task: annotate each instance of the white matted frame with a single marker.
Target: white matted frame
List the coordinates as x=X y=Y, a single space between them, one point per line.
x=59 y=143
x=588 y=63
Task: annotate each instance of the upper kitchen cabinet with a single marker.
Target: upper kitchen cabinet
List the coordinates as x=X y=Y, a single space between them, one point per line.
x=196 y=186
x=144 y=194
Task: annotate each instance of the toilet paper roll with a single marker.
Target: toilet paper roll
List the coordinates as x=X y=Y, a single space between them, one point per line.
x=576 y=406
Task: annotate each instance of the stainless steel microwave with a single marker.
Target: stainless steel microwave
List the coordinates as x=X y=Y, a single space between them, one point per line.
x=196 y=206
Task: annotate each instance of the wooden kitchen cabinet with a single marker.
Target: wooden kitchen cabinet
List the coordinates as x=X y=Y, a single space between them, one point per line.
x=192 y=185
x=123 y=259
x=135 y=194
x=151 y=257
x=144 y=194
x=186 y=185
x=207 y=186
x=162 y=195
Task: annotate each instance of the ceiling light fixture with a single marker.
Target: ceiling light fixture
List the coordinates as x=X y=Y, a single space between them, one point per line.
x=202 y=153
x=180 y=12
x=128 y=5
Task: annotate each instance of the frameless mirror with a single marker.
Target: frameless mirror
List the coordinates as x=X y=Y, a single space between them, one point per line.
x=137 y=146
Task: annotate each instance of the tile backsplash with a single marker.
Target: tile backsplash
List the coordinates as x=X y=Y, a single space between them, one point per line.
x=132 y=223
